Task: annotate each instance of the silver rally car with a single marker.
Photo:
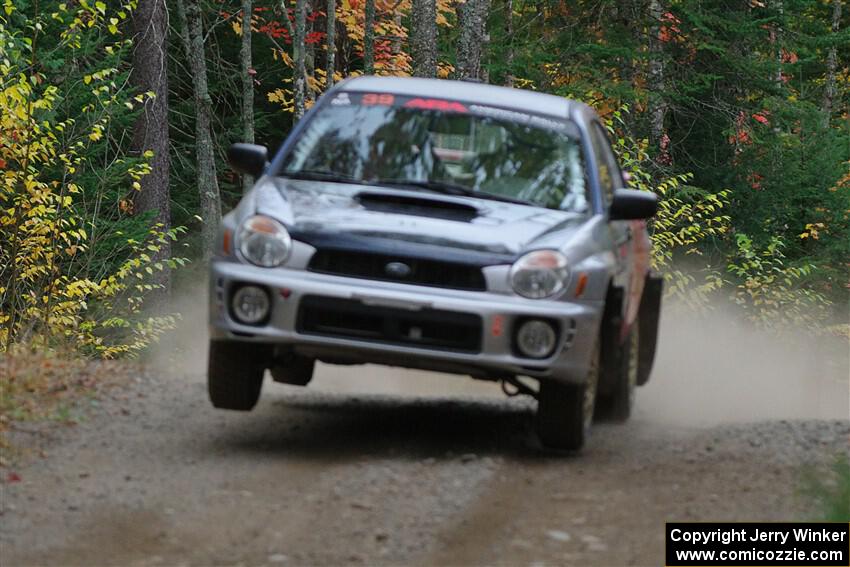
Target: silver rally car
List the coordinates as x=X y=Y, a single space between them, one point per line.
x=441 y=225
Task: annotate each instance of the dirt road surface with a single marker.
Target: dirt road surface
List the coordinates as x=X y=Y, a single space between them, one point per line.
x=375 y=465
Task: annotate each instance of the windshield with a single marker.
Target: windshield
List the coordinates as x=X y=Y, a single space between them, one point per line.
x=439 y=145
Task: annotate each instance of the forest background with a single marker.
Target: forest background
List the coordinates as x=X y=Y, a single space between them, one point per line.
x=116 y=116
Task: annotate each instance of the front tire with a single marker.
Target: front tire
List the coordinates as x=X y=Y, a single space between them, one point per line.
x=235 y=374
x=565 y=411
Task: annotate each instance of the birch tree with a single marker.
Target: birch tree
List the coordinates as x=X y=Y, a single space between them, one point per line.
x=192 y=38
x=331 y=42
x=309 y=56
x=423 y=39
x=298 y=51
x=509 y=32
x=472 y=20
x=369 y=39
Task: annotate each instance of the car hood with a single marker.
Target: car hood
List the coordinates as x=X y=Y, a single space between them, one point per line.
x=340 y=212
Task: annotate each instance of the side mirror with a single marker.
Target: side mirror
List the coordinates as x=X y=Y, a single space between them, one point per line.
x=248 y=158
x=631 y=204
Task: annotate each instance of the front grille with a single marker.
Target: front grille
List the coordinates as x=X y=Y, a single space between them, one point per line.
x=367 y=265
x=426 y=328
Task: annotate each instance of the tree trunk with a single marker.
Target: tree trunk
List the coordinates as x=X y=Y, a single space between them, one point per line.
x=776 y=39
x=423 y=38
x=483 y=70
x=395 y=43
x=247 y=86
x=509 y=32
x=369 y=39
x=192 y=36
x=309 y=58
x=831 y=66
x=298 y=57
x=150 y=133
x=472 y=20
x=657 y=104
x=331 y=42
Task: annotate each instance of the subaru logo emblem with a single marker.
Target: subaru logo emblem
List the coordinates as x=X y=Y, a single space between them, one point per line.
x=397 y=270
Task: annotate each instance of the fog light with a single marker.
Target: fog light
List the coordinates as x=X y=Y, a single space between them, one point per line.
x=536 y=339
x=250 y=304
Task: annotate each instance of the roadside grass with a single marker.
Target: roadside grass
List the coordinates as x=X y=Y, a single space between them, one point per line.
x=40 y=390
x=829 y=489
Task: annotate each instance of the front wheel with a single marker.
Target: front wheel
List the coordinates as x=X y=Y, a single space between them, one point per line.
x=235 y=374
x=565 y=411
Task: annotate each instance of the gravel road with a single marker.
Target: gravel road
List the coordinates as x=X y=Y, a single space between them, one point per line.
x=375 y=465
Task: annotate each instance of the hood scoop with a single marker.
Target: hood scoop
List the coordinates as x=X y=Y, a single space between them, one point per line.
x=417 y=206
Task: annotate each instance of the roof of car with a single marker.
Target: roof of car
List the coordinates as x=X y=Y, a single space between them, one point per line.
x=504 y=97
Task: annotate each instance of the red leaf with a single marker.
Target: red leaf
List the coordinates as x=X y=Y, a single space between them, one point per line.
x=13 y=477
x=789 y=57
x=761 y=118
x=314 y=37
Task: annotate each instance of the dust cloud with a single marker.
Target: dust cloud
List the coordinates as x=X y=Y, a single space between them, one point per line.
x=710 y=369
x=717 y=368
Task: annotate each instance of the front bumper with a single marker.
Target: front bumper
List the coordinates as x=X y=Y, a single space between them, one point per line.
x=496 y=357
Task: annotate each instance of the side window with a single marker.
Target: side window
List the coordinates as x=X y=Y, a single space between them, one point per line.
x=610 y=177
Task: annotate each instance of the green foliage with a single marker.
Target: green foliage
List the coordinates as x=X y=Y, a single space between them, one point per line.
x=787 y=174
x=747 y=115
x=830 y=490
x=772 y=293
x=742 y=92
x=688 y=220
x=76 y=267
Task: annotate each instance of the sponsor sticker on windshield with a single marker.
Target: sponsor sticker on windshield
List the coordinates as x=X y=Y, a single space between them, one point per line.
x=455 y=107
x=435 y=104
x=372 y=99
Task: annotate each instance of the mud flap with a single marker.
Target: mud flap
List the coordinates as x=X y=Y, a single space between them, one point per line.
x=648 y=318
x=610 y=361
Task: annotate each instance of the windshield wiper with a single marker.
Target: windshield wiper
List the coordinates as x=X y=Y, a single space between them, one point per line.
x=319 y=175
x=449 y=189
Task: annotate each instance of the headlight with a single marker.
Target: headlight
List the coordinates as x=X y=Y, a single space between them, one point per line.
x=539 y=274
x=264 y=241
